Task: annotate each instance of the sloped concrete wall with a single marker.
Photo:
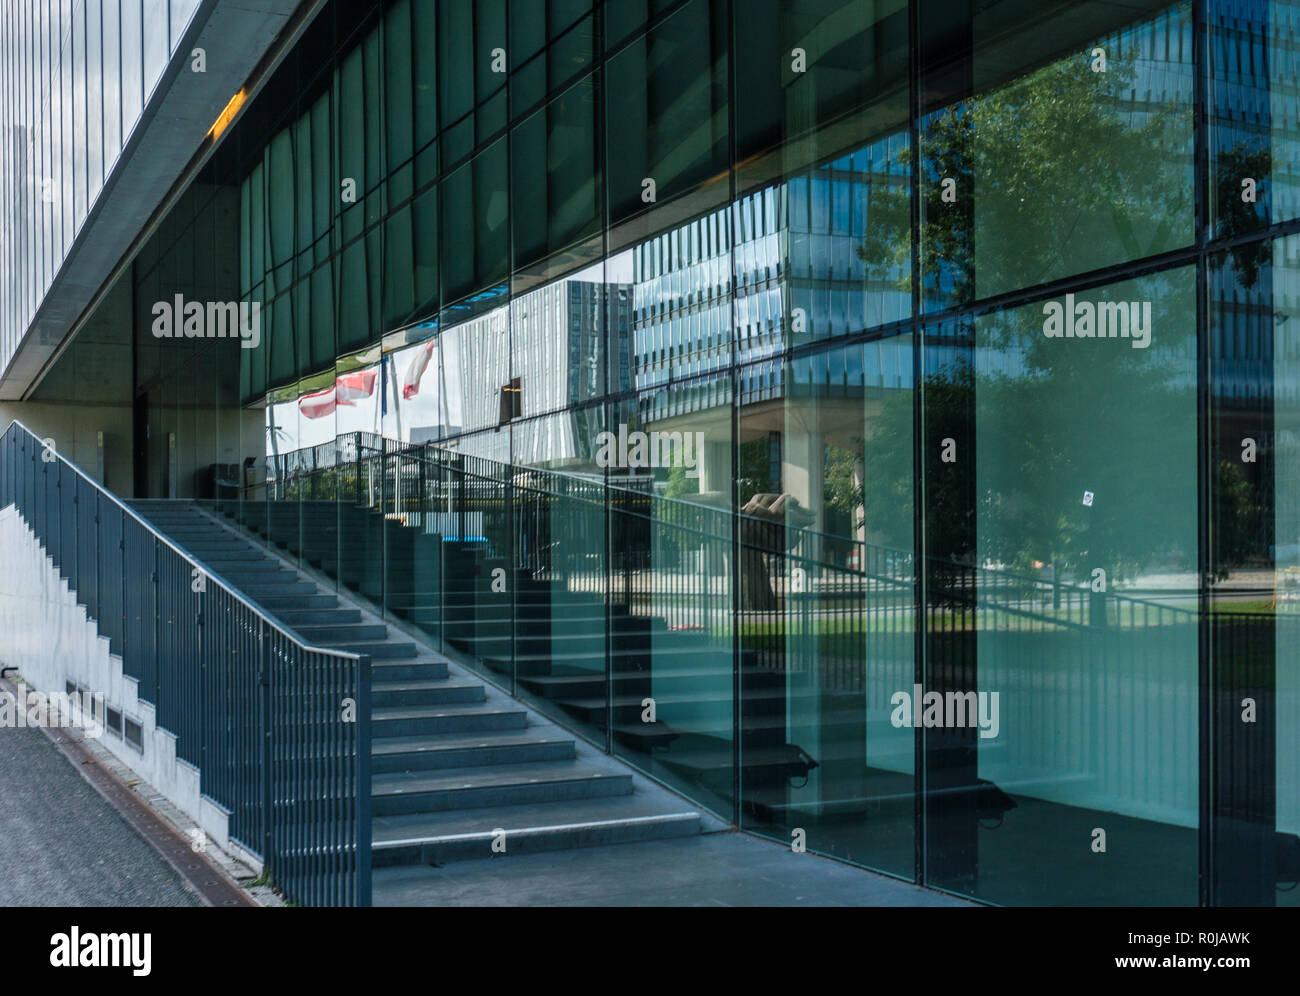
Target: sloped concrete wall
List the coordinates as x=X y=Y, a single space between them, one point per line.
x=50 y=638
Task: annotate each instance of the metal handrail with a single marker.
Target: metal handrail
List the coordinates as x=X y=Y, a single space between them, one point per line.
x=234 y=687
x=189 y=557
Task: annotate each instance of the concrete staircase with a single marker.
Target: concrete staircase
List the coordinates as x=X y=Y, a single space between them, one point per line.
x=552 y=642
x=455 y=760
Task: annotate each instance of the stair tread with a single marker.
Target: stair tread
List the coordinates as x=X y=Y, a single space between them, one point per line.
x=619 y=651
x=420 y=684
x=438 y=711
x=432 y=826
x=686 y=698
x=697 y=672
x=492 y=776
x=722 y=728
x=527 y=737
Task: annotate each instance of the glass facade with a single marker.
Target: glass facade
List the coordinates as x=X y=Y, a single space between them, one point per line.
x=884 y=417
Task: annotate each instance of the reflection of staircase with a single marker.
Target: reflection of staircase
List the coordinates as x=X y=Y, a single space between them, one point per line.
x=453 y=760
x=554 y=642
x=558 y=656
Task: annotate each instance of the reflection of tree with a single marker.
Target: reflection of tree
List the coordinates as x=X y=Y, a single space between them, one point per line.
x=1058 y=172
x=1050 y=171
x=1238 y=511
x=1238 y=217
x=1244 y=325
x=1086 y=416
x=888 y=482
x=843 y=494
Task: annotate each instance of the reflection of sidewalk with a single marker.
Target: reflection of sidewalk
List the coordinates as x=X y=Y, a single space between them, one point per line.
x=1180 y=581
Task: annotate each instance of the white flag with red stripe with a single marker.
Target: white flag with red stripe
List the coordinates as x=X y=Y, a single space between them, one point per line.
x=419 y=363
x=346 y=390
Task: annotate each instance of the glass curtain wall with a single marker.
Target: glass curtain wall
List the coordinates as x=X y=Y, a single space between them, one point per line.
x=1251 y=67
x=826 y=593
x=873 y=420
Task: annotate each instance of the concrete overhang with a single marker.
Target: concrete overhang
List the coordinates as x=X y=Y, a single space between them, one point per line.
x=236 y=36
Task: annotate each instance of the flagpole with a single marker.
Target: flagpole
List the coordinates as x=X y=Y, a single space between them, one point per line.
x=275 y=452
x=397 y=401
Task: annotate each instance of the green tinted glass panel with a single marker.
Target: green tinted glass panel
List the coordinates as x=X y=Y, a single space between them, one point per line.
x=669 y=124
x=1082 y=705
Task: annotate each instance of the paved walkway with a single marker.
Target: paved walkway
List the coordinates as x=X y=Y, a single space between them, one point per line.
x=61 y=844
x=715 y=869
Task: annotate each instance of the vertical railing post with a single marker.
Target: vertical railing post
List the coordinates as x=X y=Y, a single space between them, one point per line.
x=444 y=495
x=460 y=498
x=157 y=635
x=363 y=834
x=121 y=582
x=512 y=569
x=419 y=460
x=267 y=752
x=99 y=570
x=75 y=568
x=356 y=473
x=200 y=647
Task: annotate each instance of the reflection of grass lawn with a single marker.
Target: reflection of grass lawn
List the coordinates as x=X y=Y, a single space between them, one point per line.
x=1065 y=620
x=1260 y=608
x=833 y=636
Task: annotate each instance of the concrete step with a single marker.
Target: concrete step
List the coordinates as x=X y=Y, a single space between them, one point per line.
x=277 y=589
x=227 y=567
x=318 y=617
x=421 y=670
x=390 y=650
x=435 y=720
x=468 y=750
x=198 y=528
x=436 y=838
x=425 y=692
x=296 y=601
x=258 y=578
x=208 y=544
x=346 y=633
x=493 y=785
x=228 y=552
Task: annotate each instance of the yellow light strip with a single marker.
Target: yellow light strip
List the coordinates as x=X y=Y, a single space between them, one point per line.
x=227 y=115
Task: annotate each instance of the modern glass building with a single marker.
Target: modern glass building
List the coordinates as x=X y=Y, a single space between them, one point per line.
x=915 y=385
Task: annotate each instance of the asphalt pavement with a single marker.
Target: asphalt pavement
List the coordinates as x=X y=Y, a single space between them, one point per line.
x=61 y=844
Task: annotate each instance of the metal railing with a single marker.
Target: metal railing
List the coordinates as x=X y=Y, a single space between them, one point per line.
x=278 y=729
